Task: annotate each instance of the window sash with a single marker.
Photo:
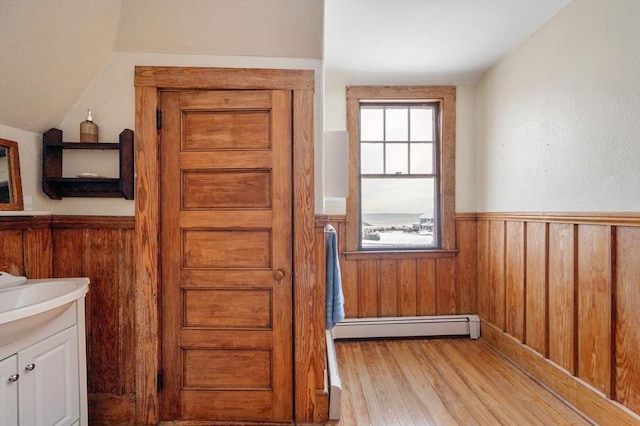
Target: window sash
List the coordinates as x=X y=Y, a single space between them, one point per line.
x=378 y=126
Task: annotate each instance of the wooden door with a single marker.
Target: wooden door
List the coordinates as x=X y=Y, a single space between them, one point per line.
x=226 y=255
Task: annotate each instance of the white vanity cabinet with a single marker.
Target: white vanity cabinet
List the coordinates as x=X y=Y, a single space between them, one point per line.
x=48 y=383
x=43 y=372
x=9 y=391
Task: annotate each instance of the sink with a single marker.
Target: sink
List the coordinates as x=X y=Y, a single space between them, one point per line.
x=27 y=304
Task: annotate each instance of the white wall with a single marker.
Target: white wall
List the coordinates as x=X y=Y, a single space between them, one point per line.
x=111 y=96
x=335 y=117
x=559 y=117
x=30 y=152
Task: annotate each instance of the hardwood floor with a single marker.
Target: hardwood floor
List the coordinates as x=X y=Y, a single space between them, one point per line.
x=441 y=382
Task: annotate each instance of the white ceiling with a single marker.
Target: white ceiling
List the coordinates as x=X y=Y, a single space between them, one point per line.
x=426 y=41
x=50 y=50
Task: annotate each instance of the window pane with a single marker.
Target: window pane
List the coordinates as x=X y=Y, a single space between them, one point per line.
x=422 y=124
x=421 y=158
x=397 y=213
x=371 y=124
x=396 y=159
x=371 y=158
x=397 y=124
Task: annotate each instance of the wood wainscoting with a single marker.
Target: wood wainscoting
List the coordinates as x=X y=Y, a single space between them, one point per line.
x=560 y=295
x=407 y=284
x=101 y=248
x=25 y=246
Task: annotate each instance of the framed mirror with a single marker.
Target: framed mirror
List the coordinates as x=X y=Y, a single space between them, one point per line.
x=10 y=182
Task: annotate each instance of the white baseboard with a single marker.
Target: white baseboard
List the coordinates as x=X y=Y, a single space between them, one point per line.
x=440 y=325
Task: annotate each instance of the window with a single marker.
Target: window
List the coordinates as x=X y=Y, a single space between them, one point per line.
x=401 y=182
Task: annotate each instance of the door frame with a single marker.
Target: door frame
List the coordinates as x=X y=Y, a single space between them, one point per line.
x=309 y=396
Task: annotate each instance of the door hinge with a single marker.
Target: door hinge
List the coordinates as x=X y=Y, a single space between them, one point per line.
x=160 y=380
x=158 y=120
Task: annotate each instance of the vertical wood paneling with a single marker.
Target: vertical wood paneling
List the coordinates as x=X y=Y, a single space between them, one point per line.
x=594 y=306
x=38 y=252
x=368 y=288
x=515 y=275
x=447 y=293
x=126 y=312
x=536 y=287
x=582 y=292
x=407 y=280
x=40 y=247
x=426 y=281
x=496 y=274
x=101 y=248
x=561 y=295
x=348 y=269
x=446 y=282
x=12 y=252
x=103 y=308
x=466 y=267
x=627 y=331
x=482 y=260
x=389 y=297
x=68 y=254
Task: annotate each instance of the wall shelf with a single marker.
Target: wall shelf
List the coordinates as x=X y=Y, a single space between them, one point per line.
x=57 y=187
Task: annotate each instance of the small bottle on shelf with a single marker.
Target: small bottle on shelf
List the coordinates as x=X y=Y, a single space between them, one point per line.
x=88 y=129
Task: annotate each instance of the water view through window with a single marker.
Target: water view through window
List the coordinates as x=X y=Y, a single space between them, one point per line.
x=398 y=176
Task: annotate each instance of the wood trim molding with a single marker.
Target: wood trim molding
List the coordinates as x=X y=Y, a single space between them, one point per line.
x=400 y=92
x=223 y=78
x=578 y=393
x=93 y=222
x=321 y=220
x=399 y=255
x=147 y=255
x=594 y=218
x=309 y=403
x=466 y=216
x=9 y=223
x=66 y=222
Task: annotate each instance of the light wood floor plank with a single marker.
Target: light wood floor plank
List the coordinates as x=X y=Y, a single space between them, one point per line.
x=441 y=382
x=411 y=399
x=461 y=399
x=487 y=378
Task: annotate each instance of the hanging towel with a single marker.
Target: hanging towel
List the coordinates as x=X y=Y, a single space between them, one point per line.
x=334 y=298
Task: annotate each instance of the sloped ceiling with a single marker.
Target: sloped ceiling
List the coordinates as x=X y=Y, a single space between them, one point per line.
x=50 y=50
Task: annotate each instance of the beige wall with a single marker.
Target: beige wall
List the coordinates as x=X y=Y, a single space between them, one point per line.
x=558 y=118
x=335 y=117
x=30 y=151
x=111 y=96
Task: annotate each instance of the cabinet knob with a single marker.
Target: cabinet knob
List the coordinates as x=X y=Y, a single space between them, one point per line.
x=30 y=367
x=14 y=377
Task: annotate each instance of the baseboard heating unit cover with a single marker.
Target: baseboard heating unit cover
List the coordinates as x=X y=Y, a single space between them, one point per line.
x=335 y=384
x=440 y=325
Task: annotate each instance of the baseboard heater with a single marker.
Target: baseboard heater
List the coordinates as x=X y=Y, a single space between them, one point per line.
x=370 y=328
x=439 y=325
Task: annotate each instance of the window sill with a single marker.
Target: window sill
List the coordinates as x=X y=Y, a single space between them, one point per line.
x=399 y=254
